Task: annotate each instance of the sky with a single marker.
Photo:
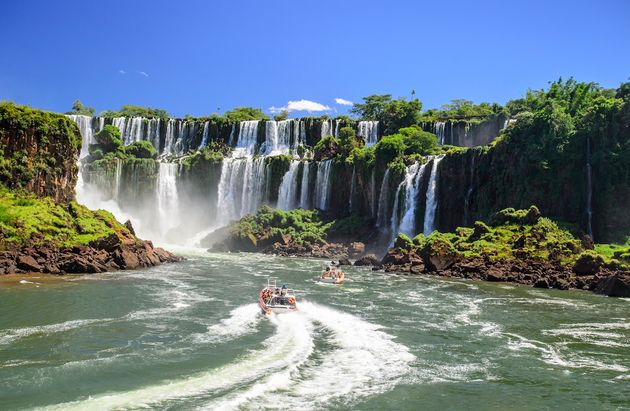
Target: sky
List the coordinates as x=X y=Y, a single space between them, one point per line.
x=312 y=57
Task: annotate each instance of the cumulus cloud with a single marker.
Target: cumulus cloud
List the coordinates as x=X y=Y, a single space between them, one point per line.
x=343 y=102
x=301 y=105
x=142 y=73
x=121 y=71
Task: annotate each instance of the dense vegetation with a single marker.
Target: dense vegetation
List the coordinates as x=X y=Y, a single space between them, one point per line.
x=393 y=114
x=29 y=220
x=511 y=234
x=136 y=111
x=109 y=145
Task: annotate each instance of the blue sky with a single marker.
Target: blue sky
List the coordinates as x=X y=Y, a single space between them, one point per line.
x=196 y=57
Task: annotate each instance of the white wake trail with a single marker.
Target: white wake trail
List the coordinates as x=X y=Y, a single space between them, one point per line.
x=291 y=344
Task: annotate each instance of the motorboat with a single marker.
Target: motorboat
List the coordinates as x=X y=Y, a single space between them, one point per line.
x=273 y=299
x=332 y=275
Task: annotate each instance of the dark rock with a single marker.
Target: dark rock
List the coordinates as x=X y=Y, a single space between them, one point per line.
x=368 y=259
x=495 y=274
x=616 y=285
x=588 y=264
x=541 y=283
x=130 y=227
x=109 y=243
x=28 y=264
x=344 y=261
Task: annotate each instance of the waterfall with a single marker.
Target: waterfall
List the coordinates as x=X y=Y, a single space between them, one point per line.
x=383 y=202
x=369 y=131
x=432 y=200
x=87 y=132
x=409 y=186
x=352 y=186
x=471 y=182
x=167 y=197
x=326 y=128
x=247 y=135
x=373 y=193
x=171 y=125
x=438 y=130
x=337 y=128
x=305 y=186
x=117 y=178
x=322 y=185
x=288 y=187
x=241 y=187
x=589 y=188
x=278 y=137
x=231 y=139
x=204 y=135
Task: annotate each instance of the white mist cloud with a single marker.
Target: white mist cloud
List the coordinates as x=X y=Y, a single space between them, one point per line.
x=343 y=102
x=301 y=105
x=142 y=73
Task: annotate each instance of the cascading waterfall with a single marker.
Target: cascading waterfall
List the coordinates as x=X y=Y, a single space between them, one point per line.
x=117 y=178
x=589 y=188
x=288 y=187
x=373 y=193
x=278 y=136
x=171 y=125
x=432 y=200
x=167 y=198
x=327 y=128
x=241 y=187
x=471 y=185
x=369 y=131
x=204 y=135
x=322 y=185
x=304 y=190
x=85 y=124
x=383 y=202
x=352 y=186
x=438 y=130
x=248 y=133
x=410 y=185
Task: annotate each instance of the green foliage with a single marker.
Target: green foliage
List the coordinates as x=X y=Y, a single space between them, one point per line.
x=28 y=220
x=393 y=114
x=300 y=226
x=79 y=108
x=418 y=141
x=284 y=114
x=141 y=149
x=136 y=111
x=463 y=110
x=348 y=141
x=109 y=138
x=327 y=147
x=389 y=148
x=245 y=113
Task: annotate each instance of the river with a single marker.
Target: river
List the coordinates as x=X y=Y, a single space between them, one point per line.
x=190 y=336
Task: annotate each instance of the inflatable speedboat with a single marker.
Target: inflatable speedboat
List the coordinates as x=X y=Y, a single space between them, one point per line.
x=332 y=275
x=276 y=300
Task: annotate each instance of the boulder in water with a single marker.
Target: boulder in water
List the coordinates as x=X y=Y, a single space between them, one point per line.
x=616 y=285
x=366 y=260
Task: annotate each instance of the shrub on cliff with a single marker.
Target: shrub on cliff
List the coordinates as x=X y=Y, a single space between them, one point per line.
x=130 y=110
x=245 y=113
x=109 y=138
x=327 y=147
x=392 y=114
x=141 y=149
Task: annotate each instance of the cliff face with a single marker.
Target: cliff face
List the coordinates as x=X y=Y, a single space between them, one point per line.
x=39 y=151
x=465 y=133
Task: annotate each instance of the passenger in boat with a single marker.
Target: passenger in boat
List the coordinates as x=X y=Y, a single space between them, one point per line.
x=284 y=290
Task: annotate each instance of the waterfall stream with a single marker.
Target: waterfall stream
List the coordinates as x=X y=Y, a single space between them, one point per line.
x=168 y=200
x=288 y=187
x=432 y=200
x=369 y=131
x=322 y=185
x=304 y=190
x=383 y=202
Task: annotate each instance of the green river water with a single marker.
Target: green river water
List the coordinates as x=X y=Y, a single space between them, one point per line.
x=190 y=336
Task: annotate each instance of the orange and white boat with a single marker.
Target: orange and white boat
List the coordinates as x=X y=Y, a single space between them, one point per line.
x=332 y=275
x=276 y=300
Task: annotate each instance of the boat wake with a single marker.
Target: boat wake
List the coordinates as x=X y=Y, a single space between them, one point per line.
x=313 y=358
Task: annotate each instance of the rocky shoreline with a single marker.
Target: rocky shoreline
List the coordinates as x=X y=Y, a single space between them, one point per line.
x=107 y=254
x=585 y=274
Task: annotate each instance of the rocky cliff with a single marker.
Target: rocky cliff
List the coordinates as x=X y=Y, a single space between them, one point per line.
x=39 y=151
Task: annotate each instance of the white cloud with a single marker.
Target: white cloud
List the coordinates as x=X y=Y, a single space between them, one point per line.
x=301 y=105
x=142 y=73
x=122 y=71
x=343 y=102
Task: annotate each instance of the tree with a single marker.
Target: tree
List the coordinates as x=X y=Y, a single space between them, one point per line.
x=109 y=138
x=245 y=113
x=389 y=148
x=393 y=114
x=136 y=111
x=418 y=141
x=141 y=149
x=79 y=108
x=284 y=114
x=348 y=140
